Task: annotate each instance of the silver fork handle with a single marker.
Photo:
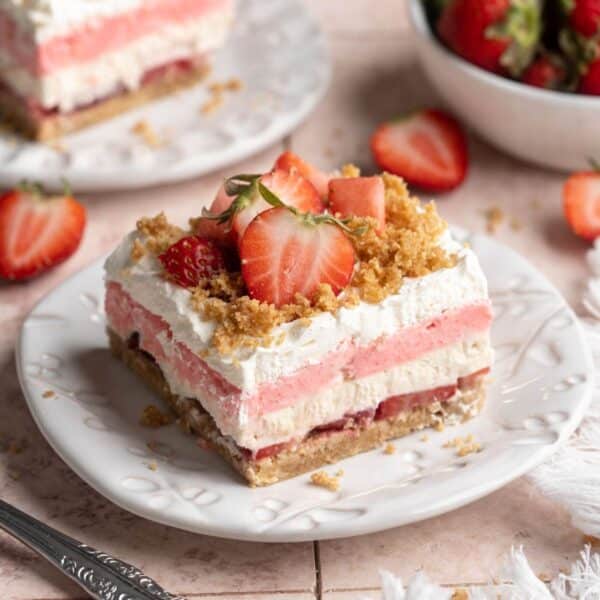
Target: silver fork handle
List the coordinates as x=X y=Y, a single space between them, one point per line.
x=100 y=575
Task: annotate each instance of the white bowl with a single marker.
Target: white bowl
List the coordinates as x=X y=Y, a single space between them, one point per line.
x=552 y=129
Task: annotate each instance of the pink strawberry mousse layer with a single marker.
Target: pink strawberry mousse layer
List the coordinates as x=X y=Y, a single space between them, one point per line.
x=196 y=378
x=89 y=41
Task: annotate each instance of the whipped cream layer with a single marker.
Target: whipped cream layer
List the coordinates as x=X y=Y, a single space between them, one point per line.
x=121 y=69
x=419 y=299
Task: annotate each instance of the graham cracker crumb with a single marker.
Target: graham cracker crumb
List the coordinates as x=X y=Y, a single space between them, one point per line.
x=464 y=446
x=350 y=171
x=153 y=417
x=138 y=250
x=424 y=438
x=460 y=594
x=158 y=233
x=439 y=426
x=213 y=103
x=152 y=466
x=322 y=479
x=48 y=394
x=389 y=449
x=146 y=132
x=516 y=224
x=544 y=577
x=339 y=473
x=494 y=218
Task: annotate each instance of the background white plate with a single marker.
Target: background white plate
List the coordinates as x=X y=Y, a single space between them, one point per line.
x=542 y=383
x=278 y=52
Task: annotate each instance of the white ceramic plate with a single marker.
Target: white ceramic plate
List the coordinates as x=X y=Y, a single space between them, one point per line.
x=541 y=387
x=278 y=52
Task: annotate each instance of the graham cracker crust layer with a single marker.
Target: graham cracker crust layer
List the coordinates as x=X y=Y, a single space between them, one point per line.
x=14 y=111
x=316 y=450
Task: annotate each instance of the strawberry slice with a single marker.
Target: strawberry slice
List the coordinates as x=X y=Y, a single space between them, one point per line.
x=284 y=254
x=290 y=188
x=209 y=227
x=37 y=232
x=191 y=259
x=288 y=161
x=426 y=147
x=360 y=196
x=581 y=203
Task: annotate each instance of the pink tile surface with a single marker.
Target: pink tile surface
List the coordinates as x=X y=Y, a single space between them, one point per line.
x=375 y=77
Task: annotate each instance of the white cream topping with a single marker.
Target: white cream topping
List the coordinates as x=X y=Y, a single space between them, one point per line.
x=417 y=300
x=84 y=83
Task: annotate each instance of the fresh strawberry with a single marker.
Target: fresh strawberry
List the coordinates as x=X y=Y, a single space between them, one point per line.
x=288 y=161
x=581 y=203
x=191 y=259
x=590 y=79
x=36 y=231
x=426 y=147
x=585 y=17
x=284 y=254
x=209 y=228
x=290 y=188
x=547 y=71
x=360 y=196
x=497 y=35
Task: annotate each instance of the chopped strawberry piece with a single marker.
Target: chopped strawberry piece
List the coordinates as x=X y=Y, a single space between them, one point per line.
x=210 y=228
x=284 y=254
x=395 y=404
x=426 y=147
x=37 y=232
x=360 y=196
x=192 y=259
x=581 y=203
x=293 y=189
x=288 y=161
x=585 y=17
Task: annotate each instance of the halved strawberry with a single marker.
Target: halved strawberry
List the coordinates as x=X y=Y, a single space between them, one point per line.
x=581 y=203
x=210 y=228
x=290 y=188
x=285 y=253
x=360 y=196
x=288 y=161
x=191 y=259
x=37 y=232
x=426 y=147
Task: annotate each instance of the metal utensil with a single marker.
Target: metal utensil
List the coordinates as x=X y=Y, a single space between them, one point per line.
x=99 y=574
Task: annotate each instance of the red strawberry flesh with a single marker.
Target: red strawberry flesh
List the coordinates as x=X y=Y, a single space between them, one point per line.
x=37 y=233
x=192 y=259
x=283 y=255
x=360 y=196
x=288 y=161
x=581 y=203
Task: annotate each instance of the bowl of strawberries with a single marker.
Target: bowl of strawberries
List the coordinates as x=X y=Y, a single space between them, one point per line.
x=523 y=74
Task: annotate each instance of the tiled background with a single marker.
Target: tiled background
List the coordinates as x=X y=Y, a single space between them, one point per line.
x=375 y=77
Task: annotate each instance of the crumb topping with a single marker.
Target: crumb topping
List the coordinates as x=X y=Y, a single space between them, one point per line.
x=48 y=394
x=408 y=247
x=464 y=446
x=324 y=480
x=148 y=135
x=153 y=417
x=460 y=594
x=389 y=449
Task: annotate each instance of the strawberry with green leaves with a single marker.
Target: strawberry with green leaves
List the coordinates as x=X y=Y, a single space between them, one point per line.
x=498 y=35
x=37 y=231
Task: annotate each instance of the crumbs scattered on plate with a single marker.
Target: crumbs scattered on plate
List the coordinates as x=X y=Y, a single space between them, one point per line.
x=389 y=449
x=324 y=480
x=48 y=394
x=154 y=418
x=148 y=135
x=464 y=446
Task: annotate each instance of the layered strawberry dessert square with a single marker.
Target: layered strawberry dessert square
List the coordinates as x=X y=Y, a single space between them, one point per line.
x=66 y=65
x=306 y=317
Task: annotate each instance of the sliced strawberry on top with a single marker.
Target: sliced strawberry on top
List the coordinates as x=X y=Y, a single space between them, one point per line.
x=191 y=259
x=284 y=254
x=288 y=161
x=290 y=188
x=360 y=196
x=426 y=147
x=581 y=203
x=293 y=189
x=37 y=232
x=210 y=228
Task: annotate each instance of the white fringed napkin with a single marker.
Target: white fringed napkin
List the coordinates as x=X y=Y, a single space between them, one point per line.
x=571 y=477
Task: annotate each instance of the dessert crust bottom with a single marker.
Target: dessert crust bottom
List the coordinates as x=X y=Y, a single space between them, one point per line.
x=315 y=451
x=53 y=126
